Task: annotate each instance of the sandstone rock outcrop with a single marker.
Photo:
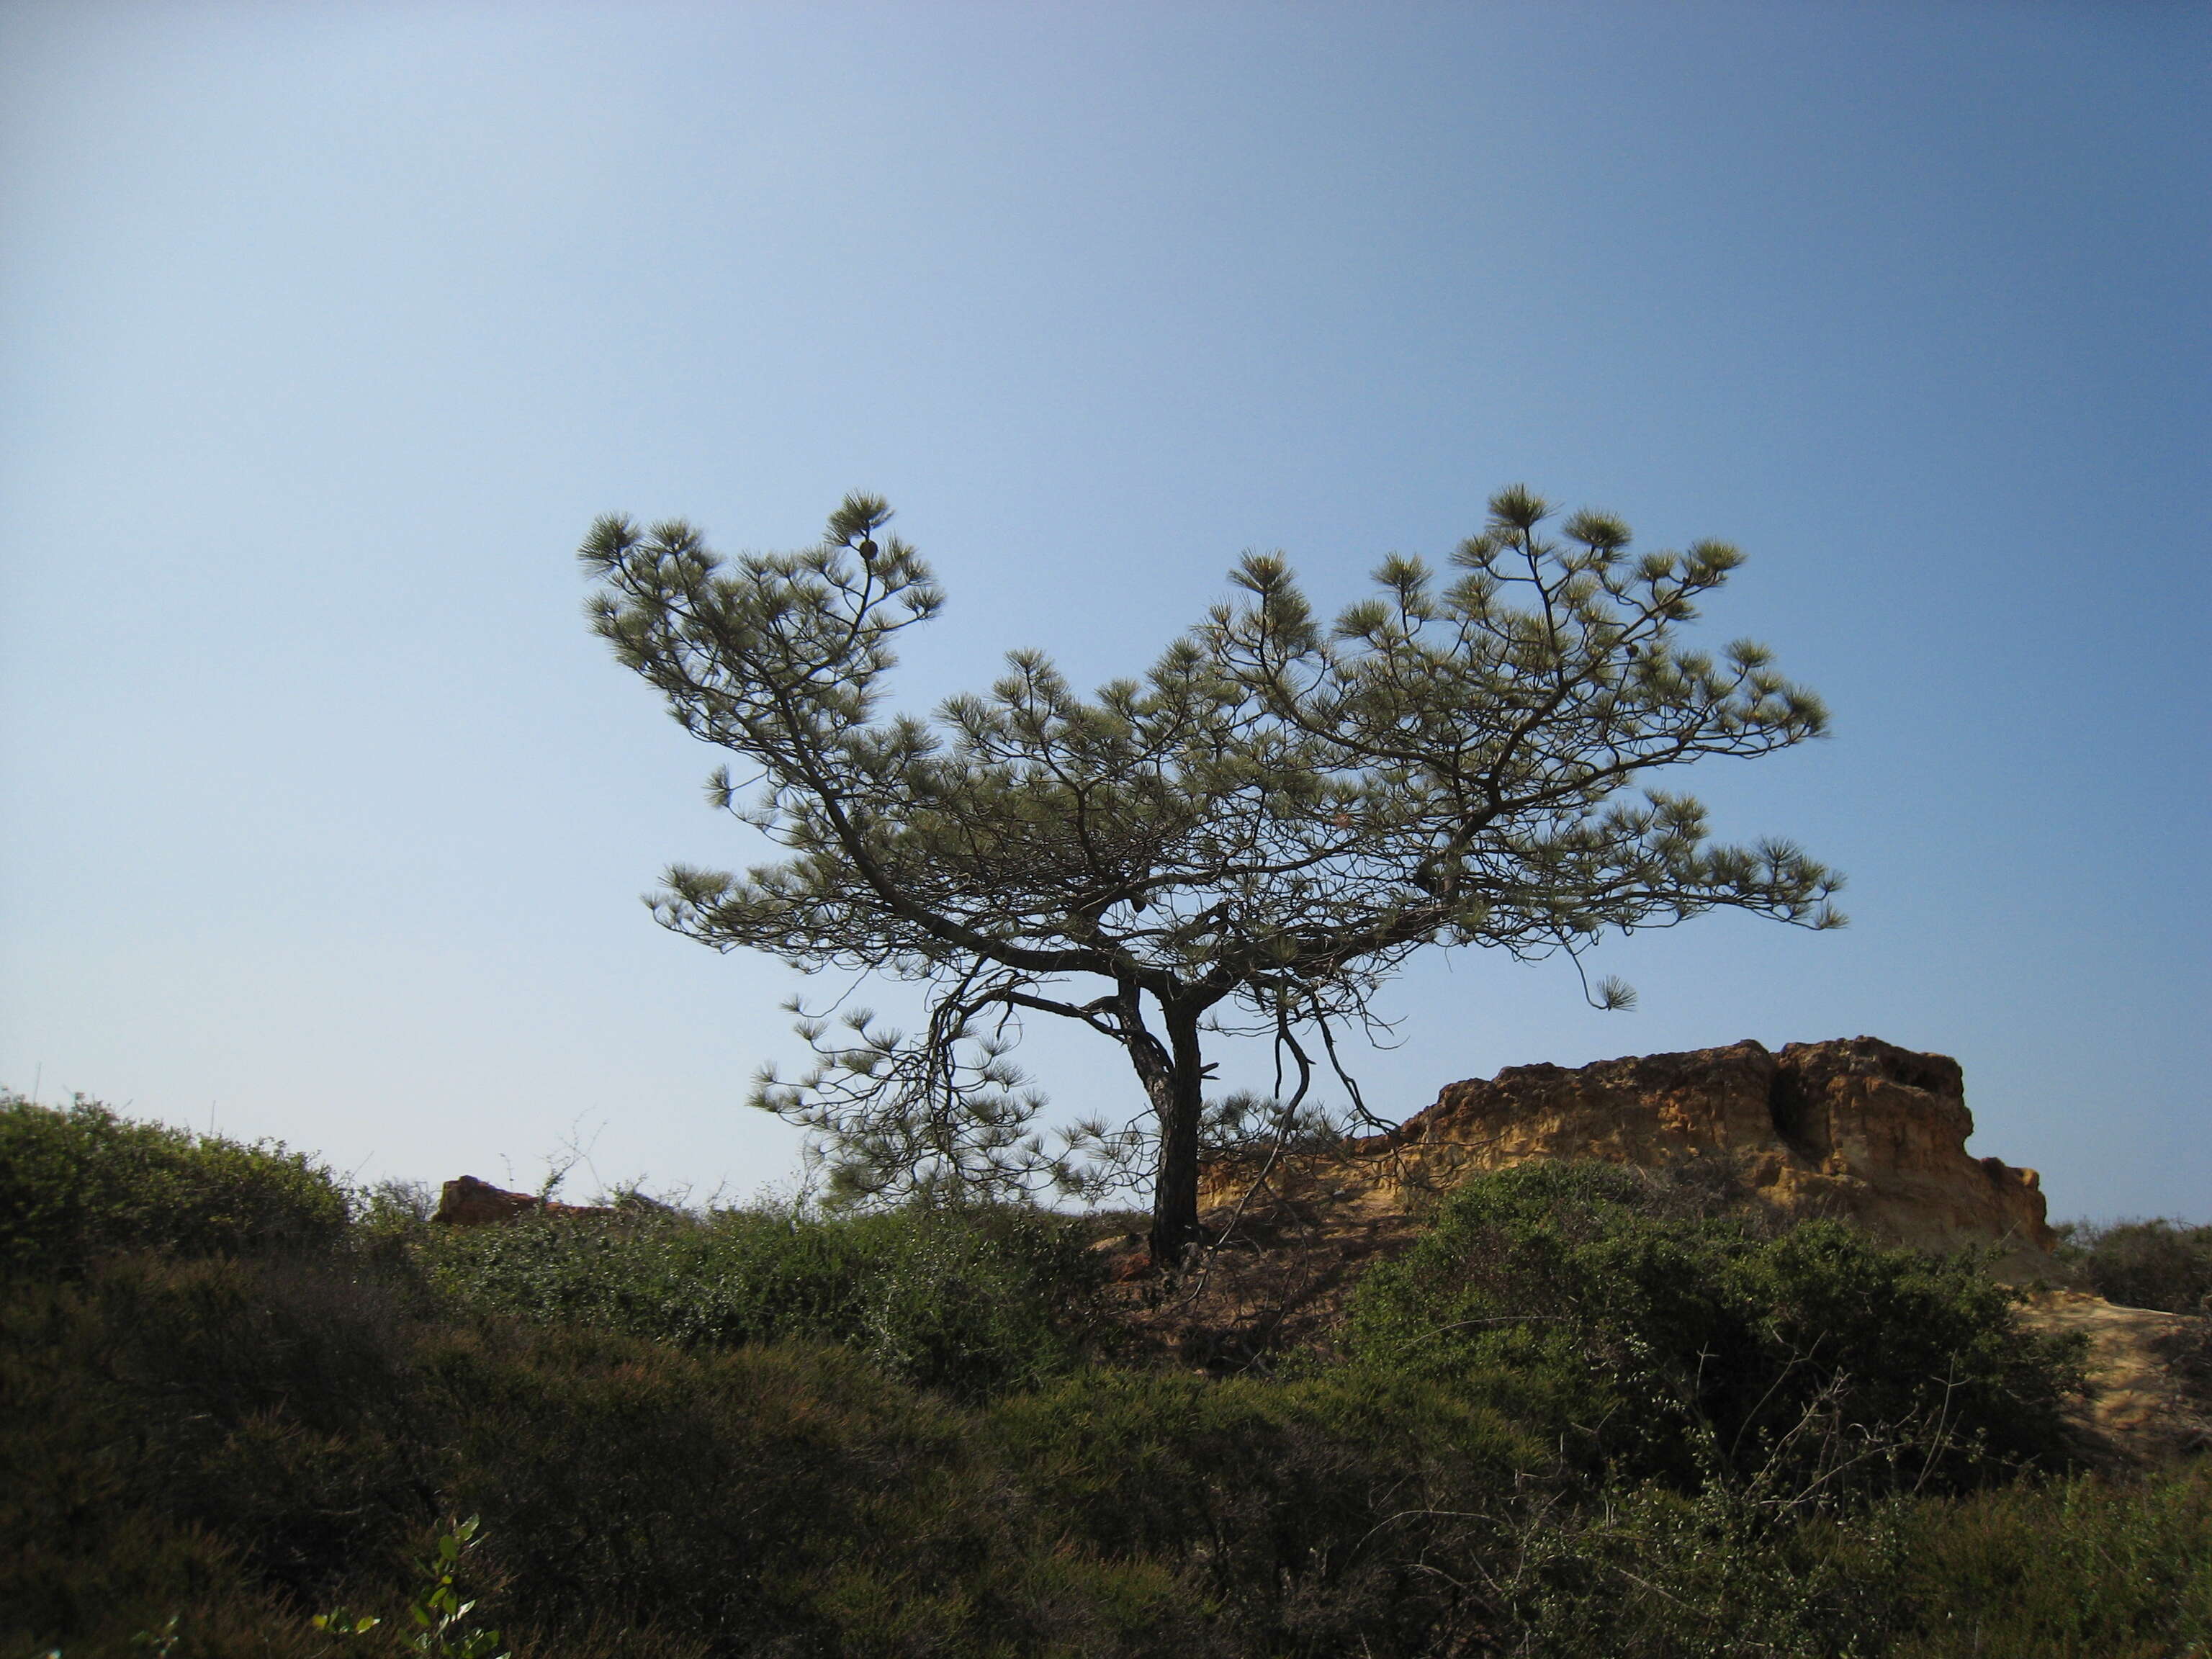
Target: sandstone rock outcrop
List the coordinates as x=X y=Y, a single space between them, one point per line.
x=1855 y=1128
x=468 y=1202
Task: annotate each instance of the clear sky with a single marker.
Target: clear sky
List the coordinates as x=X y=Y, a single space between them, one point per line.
x=326 y=330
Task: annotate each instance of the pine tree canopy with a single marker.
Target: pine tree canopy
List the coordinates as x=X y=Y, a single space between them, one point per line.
x=1249 y=838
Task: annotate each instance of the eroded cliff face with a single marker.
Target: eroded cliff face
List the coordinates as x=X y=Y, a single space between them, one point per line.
x=1855 y=1128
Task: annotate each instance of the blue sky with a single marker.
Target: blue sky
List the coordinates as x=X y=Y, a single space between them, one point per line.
x=326 y=330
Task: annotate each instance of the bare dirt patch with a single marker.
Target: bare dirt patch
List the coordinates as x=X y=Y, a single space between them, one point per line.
x=2150 y=1375
x=1275 y=1282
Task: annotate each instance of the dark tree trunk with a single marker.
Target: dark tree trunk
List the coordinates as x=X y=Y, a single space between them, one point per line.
x=1176 y=1232
x=1173 y=1074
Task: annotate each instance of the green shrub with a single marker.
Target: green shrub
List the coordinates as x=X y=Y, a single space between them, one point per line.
x=2075 y=1569
x=773 y=1499
x=2120 y=1570
x=2144 y=1264
x=1687 y=1349
x=198 y=1437
x=2031 y=1570
x=1341 y=1513
x=239 y=1400
x=237 y=1443
x=240 y=1443
x=79 y=1182
x=1652 y=1573
x=973 y=1301
x=1586 y=1417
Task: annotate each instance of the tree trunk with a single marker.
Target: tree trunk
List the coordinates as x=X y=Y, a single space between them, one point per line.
x=1173 y=1074
x=1178 y=1098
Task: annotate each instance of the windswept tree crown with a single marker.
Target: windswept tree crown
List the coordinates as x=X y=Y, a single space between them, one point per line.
x=1272 y=817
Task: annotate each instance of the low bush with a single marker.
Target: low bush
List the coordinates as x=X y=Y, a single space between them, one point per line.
x=970 y=1300
x=243 y=1444
x=2119 y=1570
x=2144 y=1264
x=79 y=1180
x=1653 y=1573
x=2032 y=1569
x=1340 y=1513
x=212 y=1434
x=1691 y=1349
x=778 y=1497
x=1586 y=1417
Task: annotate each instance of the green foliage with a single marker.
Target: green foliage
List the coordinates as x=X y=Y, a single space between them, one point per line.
x=1654 y=1573
x=343 y=1623
x=442 y=1620
x=1260 y=832
x=1689 y=1349
x=972 y=1300
x=1332 y=1514
x=77 y=1181
x=197 y=1452
x=443 y=1624
x=773 y=1494
x=195 y=1422
x=2081 y=1567
x=232 y=1442
x=194 y=1438
x=2144 y=1264
x=2060 y=1570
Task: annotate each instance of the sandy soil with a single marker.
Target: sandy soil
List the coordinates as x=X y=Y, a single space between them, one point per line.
x=2150 y=1375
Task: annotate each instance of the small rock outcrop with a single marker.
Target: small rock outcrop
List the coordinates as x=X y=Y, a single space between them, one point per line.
x=1855 y=1128
x=468 y=1202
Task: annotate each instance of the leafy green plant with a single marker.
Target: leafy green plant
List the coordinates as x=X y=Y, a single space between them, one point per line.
x=1344 y=1512
x=443 y=1623
x=344 y=1624
x=442 y=1619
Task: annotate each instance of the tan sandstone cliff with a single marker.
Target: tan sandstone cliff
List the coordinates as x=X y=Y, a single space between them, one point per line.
x=1854 y=1127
